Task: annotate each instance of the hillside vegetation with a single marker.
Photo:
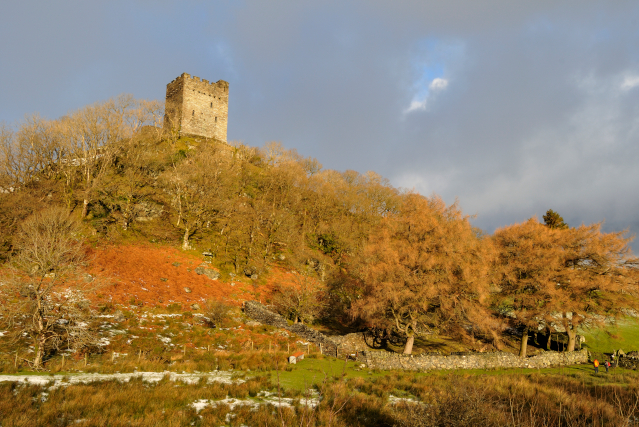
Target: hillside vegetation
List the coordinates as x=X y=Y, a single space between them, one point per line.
x=357 y=251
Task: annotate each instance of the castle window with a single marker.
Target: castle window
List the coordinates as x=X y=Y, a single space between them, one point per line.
x=211 y=105
x=193 y=113
x=216 y=120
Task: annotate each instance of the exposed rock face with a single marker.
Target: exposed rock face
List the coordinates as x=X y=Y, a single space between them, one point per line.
x=208 y=272
x=195 y=306
x=119 y=316
x=187 y=290
x=147 y=211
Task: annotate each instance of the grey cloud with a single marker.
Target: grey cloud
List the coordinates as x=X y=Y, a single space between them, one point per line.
x=533 y=117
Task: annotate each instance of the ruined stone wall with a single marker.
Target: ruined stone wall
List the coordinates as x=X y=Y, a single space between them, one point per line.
x=257 y=311
x=197 y=107
x=386 y=360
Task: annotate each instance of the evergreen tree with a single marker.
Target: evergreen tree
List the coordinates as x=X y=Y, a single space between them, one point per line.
x=553 y=220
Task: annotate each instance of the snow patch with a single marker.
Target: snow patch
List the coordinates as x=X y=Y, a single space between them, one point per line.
x=262 y=398
x=152 y=377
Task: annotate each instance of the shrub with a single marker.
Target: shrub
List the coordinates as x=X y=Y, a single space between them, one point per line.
x=216 y=312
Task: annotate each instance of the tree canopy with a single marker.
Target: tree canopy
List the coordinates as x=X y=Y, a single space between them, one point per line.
x=553 y=220
x=553 y=276
x=423 y=269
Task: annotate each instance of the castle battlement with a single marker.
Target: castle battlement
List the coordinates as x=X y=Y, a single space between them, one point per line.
x=185 y=76
x=197 y=107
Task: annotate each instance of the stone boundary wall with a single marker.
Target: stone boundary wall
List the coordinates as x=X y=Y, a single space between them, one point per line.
x=385 y=360
x=257 y=311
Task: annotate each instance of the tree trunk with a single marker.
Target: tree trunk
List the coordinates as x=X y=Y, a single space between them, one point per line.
x=524 y=343
x=572 y=338
x=410 y=330
x=185 y=240
x=85 y=208
x=408 y=348
x=549 y=341
x=39 y=353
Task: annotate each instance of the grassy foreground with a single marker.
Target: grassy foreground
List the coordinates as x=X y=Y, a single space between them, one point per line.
x=345 y=396
x=268 y=392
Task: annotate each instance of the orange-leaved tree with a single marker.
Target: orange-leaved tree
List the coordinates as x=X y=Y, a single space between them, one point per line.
x=552 y=276
x=423 y=269
x=528 y=261
x=598 y=277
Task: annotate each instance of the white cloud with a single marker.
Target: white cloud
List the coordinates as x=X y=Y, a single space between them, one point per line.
x=437 y=85
x=630 y=82
x=416 y=105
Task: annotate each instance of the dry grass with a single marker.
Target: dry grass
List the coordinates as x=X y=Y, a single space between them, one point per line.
x=520 y=400
x=111 y=403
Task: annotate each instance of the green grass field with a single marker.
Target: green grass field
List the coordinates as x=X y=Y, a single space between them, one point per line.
x=624 y=335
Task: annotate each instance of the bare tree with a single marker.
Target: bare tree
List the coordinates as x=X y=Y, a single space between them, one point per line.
x=45 y=295
x=33 y=150
x=196 y=188
x=303 y=301
x=216 y=311
x=90 y=135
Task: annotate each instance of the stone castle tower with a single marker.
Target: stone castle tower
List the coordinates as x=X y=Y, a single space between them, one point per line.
x=197 y=107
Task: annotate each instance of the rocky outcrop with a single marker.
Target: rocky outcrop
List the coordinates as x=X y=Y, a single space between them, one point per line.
x=208 y=272
x=628 y=360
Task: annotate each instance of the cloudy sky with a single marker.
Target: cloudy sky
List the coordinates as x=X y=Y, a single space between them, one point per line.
x=510 y=107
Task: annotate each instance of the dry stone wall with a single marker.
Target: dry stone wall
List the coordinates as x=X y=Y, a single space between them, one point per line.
x=386 y=360
x=257 y=311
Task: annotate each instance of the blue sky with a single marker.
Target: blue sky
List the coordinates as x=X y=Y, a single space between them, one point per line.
x=511 y=108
